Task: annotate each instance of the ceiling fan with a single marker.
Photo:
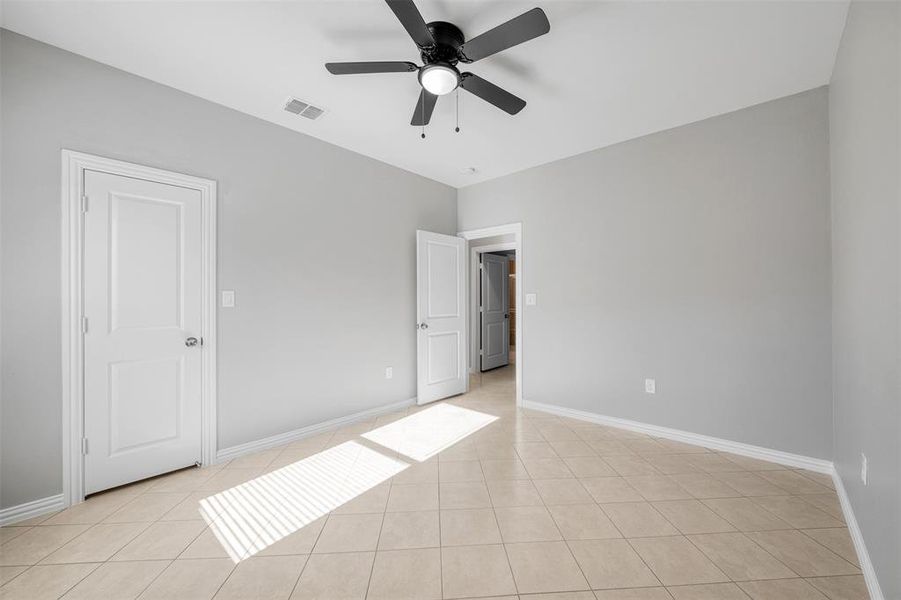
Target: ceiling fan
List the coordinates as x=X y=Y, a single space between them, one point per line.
x=442 y=47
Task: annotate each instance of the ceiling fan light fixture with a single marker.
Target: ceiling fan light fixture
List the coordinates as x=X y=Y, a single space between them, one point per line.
x=439 y=78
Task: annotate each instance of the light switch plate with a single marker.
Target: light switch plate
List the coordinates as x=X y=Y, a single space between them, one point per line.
x=531 y=299
x=389 y=372
x=650 y=386
x=228 y=298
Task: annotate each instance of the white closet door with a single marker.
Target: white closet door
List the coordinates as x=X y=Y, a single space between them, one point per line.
x=142 y=287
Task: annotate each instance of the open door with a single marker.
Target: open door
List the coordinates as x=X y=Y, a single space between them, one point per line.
x=440 y=301
x=495 y=313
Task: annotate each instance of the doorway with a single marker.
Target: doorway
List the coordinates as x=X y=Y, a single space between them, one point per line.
x=502 y=240
x=138 y=323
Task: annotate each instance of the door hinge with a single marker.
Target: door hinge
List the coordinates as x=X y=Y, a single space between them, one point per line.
x=84 y=324
x=84 y=446
x=84 y=204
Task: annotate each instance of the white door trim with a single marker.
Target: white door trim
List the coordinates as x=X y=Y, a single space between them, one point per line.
x=72 y=242
x=474 y=234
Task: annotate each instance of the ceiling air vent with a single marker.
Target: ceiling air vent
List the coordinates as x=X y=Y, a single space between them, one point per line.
x=304 y=109
x=312 y=112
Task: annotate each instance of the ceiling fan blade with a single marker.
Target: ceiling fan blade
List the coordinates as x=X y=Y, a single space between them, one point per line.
x=357 y=68
x=492 y=94
x=425 y=104
x=523 y=28
x=410 y=17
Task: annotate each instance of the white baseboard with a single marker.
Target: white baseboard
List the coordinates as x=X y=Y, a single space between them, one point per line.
x=869 y=573
x=777 y=456
x=308 y=431
x=35 y=508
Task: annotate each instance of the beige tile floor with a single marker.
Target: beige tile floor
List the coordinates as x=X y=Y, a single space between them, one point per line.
x=532 y=506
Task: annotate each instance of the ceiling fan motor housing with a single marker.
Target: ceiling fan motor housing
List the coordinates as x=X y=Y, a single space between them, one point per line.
x=448 y=40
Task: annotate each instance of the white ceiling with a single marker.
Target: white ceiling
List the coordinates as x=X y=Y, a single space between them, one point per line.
x=606 y=72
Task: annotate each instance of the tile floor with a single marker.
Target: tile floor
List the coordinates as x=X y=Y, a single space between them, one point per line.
x=532 y=506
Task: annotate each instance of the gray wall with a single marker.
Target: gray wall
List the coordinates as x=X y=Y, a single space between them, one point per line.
x=698 y=256
x=317 y=241
x=865 y=129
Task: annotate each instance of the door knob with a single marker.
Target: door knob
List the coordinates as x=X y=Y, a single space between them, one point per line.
x=191 y=341
x=424 y=326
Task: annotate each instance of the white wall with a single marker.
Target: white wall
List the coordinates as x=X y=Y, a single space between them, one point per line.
x=865 y=144
x=698 y=256
x=318 y=242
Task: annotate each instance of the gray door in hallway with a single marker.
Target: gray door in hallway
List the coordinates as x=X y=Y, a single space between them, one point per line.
x=495 y=311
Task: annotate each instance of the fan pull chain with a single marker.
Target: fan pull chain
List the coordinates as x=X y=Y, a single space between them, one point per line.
x=457 y=98
x=422 y=113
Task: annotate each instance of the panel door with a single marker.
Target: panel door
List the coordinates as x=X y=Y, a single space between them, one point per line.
x=441 y=297
x=495 y=311
x=142 y=299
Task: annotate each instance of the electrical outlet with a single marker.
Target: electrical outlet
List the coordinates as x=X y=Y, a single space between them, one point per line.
x=650 y=386
x=389 y=372
x=863 y=468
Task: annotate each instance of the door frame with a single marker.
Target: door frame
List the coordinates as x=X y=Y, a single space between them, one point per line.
x=74 y=164
x=514 y=229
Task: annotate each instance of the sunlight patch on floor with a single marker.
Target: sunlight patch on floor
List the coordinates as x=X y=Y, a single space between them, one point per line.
x=428 y=432
x=254 y=515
